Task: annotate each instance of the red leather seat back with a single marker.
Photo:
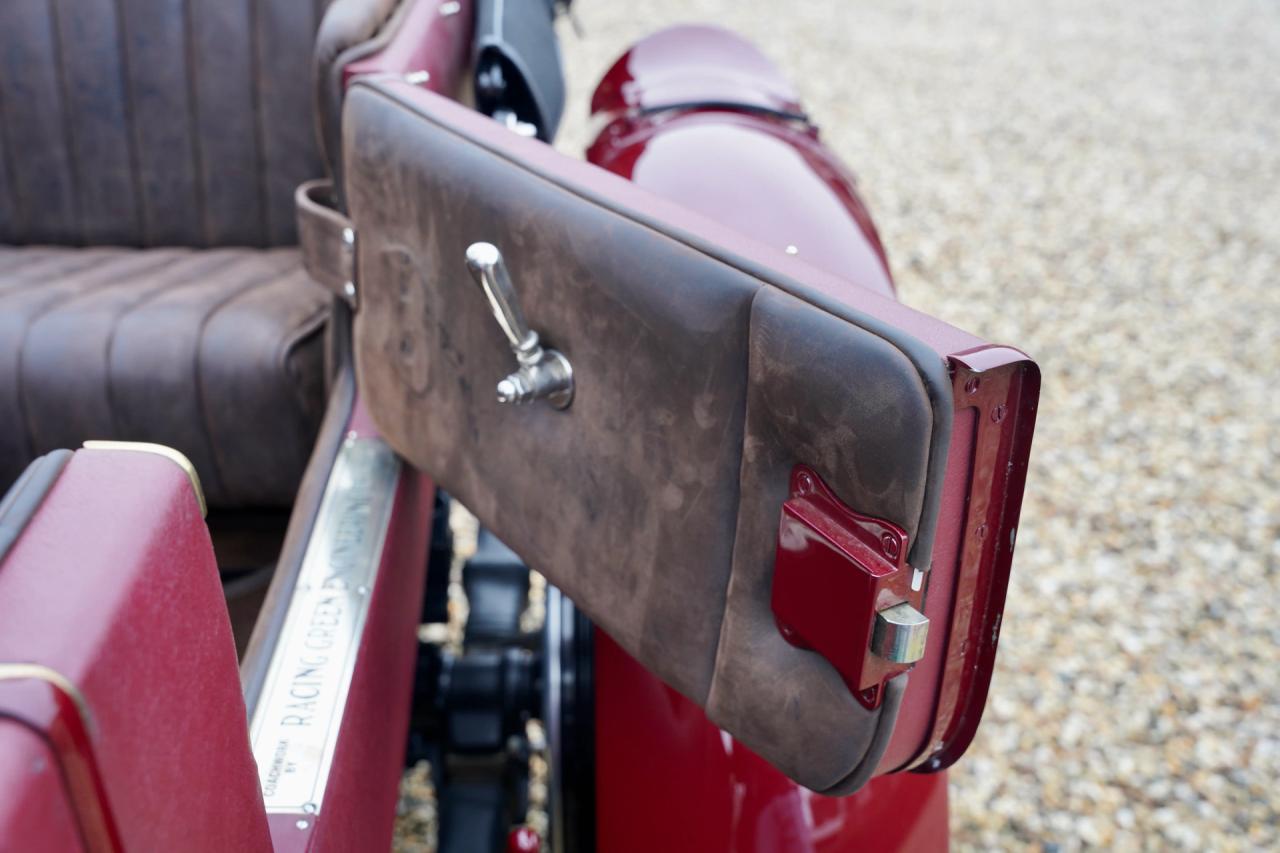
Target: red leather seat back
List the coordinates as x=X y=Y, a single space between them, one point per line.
x=116 y=654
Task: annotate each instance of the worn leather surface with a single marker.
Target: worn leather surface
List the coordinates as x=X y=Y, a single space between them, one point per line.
x=350 y=30
x=218 y=353
x=150 y=123
x=327 y=255
x=145 y=123
x=853 y=406
x=702 y=377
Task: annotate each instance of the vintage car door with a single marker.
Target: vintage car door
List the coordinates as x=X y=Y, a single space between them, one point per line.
x=792 y=499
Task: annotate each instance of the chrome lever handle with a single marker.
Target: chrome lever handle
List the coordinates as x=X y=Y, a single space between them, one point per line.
x=542 y=373
x=490 y=272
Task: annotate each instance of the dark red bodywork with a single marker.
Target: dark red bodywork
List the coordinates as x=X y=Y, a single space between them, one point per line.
x=113 y=585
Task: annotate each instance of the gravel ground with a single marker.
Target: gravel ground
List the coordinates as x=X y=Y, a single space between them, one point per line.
x=1097 y=183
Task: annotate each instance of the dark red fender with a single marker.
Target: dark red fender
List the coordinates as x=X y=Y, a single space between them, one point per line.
x=667 y=779
x=690 y=111
x=113 y=591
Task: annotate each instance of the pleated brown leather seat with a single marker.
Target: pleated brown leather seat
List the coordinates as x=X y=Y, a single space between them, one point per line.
x=150 y=287
x=216 y=352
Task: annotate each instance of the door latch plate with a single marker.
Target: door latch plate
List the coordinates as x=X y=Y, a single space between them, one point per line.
x=842 y=588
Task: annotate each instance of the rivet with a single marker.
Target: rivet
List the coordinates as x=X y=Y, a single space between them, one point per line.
x=981 y=531
x=309 y=808
x=792 y=249
x=303 y=824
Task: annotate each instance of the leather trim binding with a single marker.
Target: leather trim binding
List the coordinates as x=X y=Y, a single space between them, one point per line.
x=25 y=497
x=894 y=691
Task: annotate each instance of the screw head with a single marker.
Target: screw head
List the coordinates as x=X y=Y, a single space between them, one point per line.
x=971 y=387
x=889 y=543
x=998 y=413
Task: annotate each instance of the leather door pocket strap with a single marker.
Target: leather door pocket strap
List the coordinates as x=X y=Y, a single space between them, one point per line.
x=326 y=239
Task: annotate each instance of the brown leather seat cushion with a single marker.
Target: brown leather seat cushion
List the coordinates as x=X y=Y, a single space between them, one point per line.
x=216 y=352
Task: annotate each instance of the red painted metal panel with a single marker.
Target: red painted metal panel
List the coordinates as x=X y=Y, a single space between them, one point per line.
x=699 y=115
x=35 y=811
x=1001 y=386
x=114 y=586
x=668 y=779
x=693 y=63
x=763 y=176
x=425 y=41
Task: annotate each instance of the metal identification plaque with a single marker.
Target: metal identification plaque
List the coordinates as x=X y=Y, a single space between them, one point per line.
x=295 y=727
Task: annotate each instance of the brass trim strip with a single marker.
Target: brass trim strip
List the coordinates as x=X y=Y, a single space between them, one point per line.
x=160 y=450
x=40 y=672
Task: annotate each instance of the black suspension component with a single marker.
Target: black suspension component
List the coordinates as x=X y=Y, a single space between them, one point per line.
x=519 y=78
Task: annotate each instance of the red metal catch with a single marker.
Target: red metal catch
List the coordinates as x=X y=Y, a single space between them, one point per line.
x=835 y=570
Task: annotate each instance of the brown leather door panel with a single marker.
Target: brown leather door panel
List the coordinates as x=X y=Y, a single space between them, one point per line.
x=705 y=369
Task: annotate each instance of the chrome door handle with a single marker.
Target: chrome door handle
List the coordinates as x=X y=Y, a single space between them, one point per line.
x=540 y=373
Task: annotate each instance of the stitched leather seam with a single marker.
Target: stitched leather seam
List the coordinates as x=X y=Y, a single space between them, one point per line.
x=86 y=282
x=131 y=124
x=737 y=497
x=259 y=141
x=10 y=173
x=193 y=120
x=190 y=274
x=17 y=279
x=312 y=324
x=201 y=398
x=68 y=134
